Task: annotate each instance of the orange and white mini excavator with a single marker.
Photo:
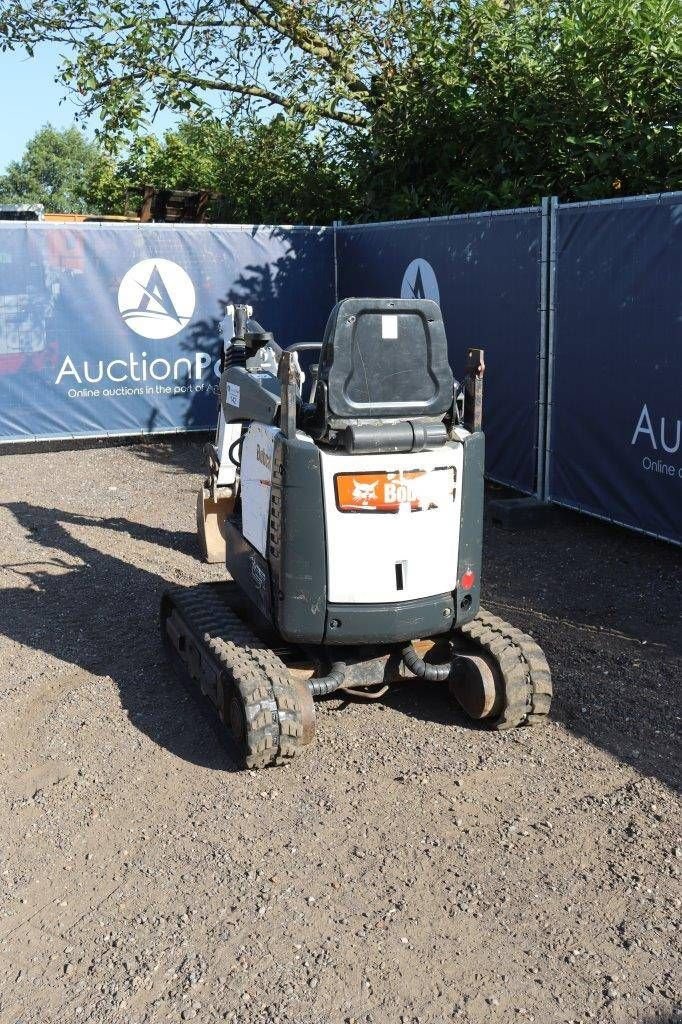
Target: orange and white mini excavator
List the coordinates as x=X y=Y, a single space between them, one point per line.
x=351 y=526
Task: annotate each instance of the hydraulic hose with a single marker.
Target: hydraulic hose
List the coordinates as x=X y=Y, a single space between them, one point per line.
x=420 y=668
x=335 y=678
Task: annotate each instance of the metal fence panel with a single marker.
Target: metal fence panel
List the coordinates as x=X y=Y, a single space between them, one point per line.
x=485 y=269
x=614 y=445
x=113 y=329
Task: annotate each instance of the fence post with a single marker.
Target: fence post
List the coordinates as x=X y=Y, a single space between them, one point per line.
x=551 y=278
x=335 y=225
x=542 y=344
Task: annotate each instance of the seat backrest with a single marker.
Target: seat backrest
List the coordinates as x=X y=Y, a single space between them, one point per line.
x=386 y=358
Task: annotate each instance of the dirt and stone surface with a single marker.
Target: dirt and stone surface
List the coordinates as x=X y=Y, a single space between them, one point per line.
x=408 y=868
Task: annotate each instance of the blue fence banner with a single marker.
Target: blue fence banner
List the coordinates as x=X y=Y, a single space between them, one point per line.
x=614 y=445
x=485 y=270
x=113 y=329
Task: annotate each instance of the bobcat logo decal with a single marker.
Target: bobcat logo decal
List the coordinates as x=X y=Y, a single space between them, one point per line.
x=402 y=490
x=364 y=493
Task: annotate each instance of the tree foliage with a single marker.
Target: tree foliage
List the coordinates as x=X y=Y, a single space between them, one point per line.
x=263 y=172
x=311 y=58
x=55 y=170
x=578 y=99
x=436 y=105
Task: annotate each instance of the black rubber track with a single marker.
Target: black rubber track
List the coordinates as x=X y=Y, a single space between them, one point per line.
x=231 y=657
x=523 y=667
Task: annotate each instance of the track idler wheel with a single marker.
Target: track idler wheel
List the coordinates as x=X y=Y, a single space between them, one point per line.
x=212 y=514
x=477 y=686
x=500 y=675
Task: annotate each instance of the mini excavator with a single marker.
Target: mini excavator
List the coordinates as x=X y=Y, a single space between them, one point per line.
x=350 y=522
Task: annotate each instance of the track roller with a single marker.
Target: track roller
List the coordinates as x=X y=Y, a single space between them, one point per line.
x=500 y=675
x=269 y=717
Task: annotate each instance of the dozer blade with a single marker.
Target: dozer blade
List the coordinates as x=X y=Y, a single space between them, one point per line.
x=212 y=515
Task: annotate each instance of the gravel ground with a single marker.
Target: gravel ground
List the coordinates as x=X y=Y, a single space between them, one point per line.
x=408 y=868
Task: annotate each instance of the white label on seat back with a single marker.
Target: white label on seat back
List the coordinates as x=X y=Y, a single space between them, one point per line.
x=389 y=327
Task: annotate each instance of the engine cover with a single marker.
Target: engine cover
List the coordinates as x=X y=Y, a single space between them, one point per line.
x=392 y=524
x=357 y=549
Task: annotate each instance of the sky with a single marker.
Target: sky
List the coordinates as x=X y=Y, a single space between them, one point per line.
x=32 y=99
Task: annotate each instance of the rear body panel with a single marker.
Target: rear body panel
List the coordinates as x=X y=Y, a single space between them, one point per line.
x=345 y=549
x=399 y=541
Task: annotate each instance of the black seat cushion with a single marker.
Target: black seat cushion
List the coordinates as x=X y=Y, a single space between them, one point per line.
x=386 y=358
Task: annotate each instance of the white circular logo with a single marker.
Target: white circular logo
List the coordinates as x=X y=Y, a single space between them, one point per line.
x=420 y=282
x=156 y=298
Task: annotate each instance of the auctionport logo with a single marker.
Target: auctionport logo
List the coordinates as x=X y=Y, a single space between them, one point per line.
x=156 y=298
x=420 y=282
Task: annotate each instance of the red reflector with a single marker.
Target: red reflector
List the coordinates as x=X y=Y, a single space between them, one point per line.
x=468 y=579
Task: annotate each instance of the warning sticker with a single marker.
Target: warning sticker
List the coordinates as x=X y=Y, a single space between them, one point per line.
x=232 y=394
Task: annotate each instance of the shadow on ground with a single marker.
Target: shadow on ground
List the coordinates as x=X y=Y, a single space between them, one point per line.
x=606 y=606
x=603 y=604
x=99 y=612
x=175 y=456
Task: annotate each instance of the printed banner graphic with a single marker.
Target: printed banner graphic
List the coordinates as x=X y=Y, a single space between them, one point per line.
x=113 y=329
x=615 y=443
x=484 y=270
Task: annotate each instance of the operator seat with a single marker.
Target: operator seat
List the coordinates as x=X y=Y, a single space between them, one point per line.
x=384 y=382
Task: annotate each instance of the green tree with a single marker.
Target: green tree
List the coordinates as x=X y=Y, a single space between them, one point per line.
x=578 y=98
x=54 y=170
x=439 y=104
x=264 y=172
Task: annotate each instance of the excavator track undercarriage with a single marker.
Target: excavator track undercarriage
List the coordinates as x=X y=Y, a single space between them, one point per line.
x=268 y=714
x=261 y=686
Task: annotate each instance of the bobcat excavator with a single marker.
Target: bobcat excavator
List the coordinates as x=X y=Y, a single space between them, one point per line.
x=350 y=523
